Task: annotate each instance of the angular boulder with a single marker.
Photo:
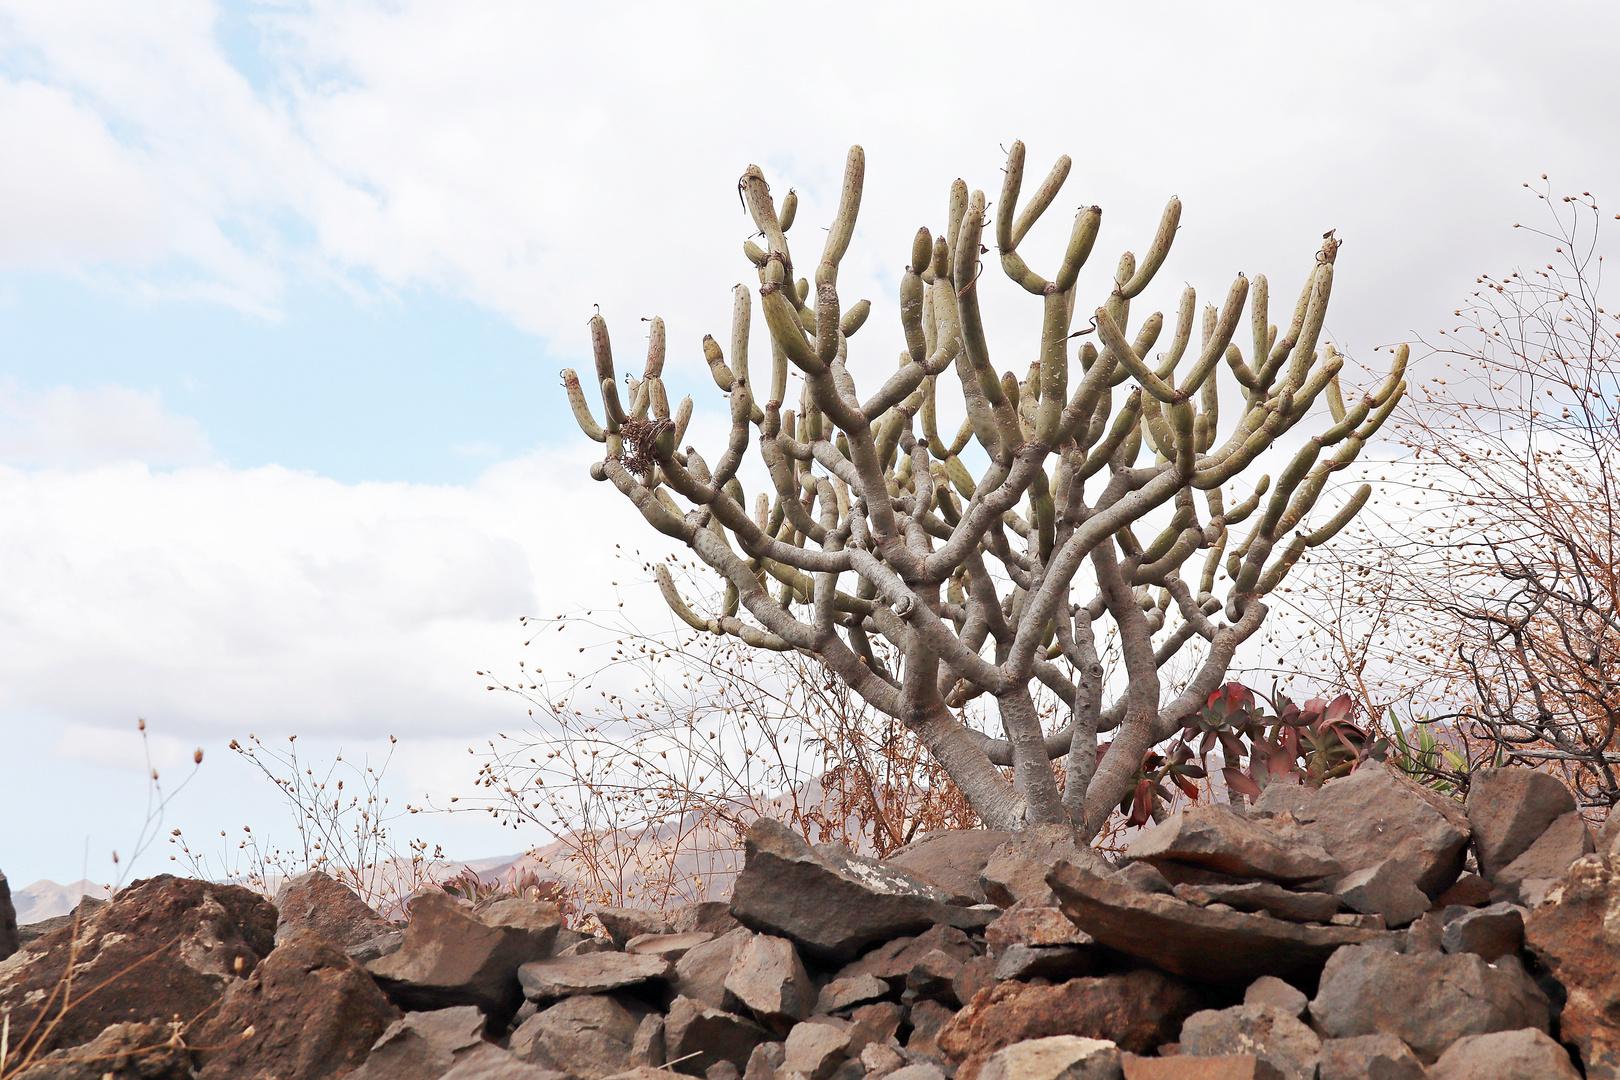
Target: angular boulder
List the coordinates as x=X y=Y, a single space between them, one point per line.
x=330 y=909
x=768 y=977
x=894 y=960
x=952 y=859
x=1222 y=947
x=669 y=946
x=1264 y=896
x=1270 y=990
x=1386 y=889
x=1529 y=878
x=1376 y=814
x=1266 y=1031
x=307 y=1012
x=1574 y=935
x=1527 y=1054
x=1036 y=926
x=700 y=973
x=814 y=1050
x=1427 y=1000
x=456 y=956
x=1488 y=932
x=591 y=1036
x=164 y=947
x=705 y=916
x=829 y=902
x=624 y=923
x=1137 y=1011
x=1216 y=838
x=1508 y=809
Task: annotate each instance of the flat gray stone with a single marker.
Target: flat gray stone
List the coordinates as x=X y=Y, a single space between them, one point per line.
x=1529 y=878
x=1056 y=1057
x=594 y=973
x=1216 y=838
x=1223 y=947
x=1488 y=932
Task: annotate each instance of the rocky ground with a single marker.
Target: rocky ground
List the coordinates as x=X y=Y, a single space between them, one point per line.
x=1369 y=929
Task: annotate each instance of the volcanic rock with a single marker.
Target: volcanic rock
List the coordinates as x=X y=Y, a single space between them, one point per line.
x=1488 y=933
x=319 y=903
x=1056 y=1057
x=1222 y=947
x=1368 y=1057
x=768 y=977
x=423 y=1045
x=1573 y=935
x=1508 y=809
x=1017 y=870
x=1265 y=1031
x=593 y=973
x=312 y=1011
x=829 y=902
x=591 y=1036
x=1527 y=879
x=1427 y=1000
x=697 y=1036
x=164 y=947
x=1138 y=1011
x=952 y=859
x=1526 y=1054
x=1376 y=814
x=1216 y=838
x=456 y=956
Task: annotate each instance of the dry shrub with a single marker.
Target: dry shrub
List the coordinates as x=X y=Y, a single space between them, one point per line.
x=342 y=822
x=1488 y=606
x=648 y=767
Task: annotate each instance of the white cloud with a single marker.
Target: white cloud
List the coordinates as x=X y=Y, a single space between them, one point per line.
x=542 y=158
x=215 y=602
x=71 y=427
x=74 y=193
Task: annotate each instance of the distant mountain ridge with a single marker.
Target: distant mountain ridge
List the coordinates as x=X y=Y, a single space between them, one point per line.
x=45 y=899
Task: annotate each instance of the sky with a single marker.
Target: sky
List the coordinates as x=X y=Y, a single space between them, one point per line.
x=285 y=289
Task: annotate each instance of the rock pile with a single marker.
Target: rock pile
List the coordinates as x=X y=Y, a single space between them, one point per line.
x=1368 y=929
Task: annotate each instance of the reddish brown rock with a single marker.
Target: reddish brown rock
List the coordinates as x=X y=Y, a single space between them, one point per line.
x=1243 y=1067
x=1031 y=924
x=1223 y=947
x=313 y=1012
x=1376 y=813
x=1574 y=936
x=1138 y=1011
x=768 y=977
x=164 y=947
x=132 y=1051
